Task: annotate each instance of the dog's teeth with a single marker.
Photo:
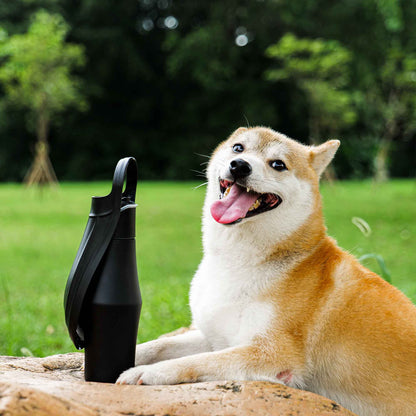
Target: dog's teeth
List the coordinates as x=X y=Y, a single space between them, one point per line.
x=227 y=191
x=248 y=189
x=255 y=205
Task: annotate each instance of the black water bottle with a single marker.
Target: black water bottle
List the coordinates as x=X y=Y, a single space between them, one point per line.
x=102 y=296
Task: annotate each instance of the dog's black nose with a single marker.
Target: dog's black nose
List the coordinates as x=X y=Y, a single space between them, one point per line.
x=239 y=168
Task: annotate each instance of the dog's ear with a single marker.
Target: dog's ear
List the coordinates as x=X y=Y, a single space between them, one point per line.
x=321 y=156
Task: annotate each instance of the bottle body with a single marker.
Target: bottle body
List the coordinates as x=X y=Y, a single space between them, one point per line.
x=110 y=342
x=112 y=311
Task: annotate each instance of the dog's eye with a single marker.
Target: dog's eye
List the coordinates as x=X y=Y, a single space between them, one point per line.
x=238 y=148
x=278 y=165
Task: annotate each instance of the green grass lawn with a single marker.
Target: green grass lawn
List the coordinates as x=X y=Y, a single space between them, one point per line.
x=40 y=233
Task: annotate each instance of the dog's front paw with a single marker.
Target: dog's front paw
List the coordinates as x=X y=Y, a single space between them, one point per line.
x=130 y=376
x=159 y=373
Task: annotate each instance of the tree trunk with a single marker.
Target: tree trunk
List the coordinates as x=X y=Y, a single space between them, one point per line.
x=41 y=172
x=42 y=126
x=381 y=171
x=392 y=118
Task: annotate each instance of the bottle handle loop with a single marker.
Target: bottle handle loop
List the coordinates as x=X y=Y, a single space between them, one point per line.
x=126 y=171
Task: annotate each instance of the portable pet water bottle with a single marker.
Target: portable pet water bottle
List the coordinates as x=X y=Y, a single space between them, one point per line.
x=102 y=296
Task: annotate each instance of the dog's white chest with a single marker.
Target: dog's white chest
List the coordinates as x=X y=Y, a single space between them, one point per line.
x=225 y=308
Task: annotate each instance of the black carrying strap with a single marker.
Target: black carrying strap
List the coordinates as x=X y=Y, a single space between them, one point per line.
x=126 y=171
x=102 y=222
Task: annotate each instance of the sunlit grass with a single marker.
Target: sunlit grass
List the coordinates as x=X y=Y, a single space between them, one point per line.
x=390 y=210
x=40 y=233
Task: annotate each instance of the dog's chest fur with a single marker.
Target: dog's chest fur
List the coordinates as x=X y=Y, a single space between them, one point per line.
x=226 y=302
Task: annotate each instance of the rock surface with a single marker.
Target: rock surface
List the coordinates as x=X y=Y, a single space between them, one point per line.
x=55 y=386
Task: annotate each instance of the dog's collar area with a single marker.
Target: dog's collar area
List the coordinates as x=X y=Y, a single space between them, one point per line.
x=237 y=202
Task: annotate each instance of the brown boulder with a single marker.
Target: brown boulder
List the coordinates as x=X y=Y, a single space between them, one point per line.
x=54 y=386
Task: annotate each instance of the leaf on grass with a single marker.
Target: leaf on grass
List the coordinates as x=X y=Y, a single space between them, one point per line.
x=362 y=225
x=26 y=352
x=385 y=273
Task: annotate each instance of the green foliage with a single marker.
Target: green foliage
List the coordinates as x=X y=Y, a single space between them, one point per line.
x=36 y=67
x=165 y=93
x=191 y=51
x=398 y=90
x=366 y=231
x=310 y=59
x=385 y=273
x=394 y=99
x=321 y=69
x=392 y=14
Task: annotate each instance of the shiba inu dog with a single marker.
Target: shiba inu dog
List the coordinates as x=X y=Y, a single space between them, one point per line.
x=276 y=299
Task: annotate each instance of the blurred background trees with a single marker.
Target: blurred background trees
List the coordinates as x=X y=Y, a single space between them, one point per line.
x=321 y=70
x=166 y=80
x=36 y=74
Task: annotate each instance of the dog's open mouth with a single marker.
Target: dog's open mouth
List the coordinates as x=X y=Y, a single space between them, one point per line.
x=237 y=202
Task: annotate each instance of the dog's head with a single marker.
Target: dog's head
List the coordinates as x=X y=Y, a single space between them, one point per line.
x=258 y=174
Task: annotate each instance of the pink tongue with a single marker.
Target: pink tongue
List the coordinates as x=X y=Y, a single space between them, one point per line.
x=234 y=206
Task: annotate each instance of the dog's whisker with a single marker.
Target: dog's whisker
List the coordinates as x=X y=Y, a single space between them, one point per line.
x=247 y=122
x=199 y=173
x=202 y=155
x=199 y=186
